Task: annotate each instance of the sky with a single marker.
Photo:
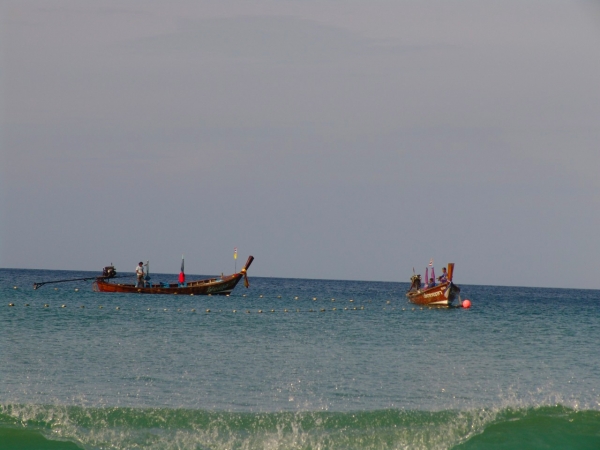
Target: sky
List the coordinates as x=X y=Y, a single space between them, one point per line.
x=329 y=139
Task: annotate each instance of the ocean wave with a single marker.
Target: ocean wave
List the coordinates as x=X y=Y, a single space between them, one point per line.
x=70 y=427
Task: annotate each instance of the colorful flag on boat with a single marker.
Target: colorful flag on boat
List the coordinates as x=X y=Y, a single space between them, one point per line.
x=234 y=252
x=182 y=273
x=431 y=262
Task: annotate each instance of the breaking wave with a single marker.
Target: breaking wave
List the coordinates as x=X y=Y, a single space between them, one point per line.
x=71 y=427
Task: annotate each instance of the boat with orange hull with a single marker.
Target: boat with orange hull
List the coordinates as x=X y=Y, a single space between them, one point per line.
x=443 y=294
x=222 y=285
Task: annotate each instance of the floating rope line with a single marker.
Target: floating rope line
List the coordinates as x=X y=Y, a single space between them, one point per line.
x=322 y=309
x=260 y=311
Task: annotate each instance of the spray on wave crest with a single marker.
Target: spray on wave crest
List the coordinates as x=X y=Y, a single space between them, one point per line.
x=69 y=427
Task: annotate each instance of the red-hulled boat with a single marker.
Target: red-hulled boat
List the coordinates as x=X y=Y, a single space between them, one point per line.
x=222 y=285
x=443 y=294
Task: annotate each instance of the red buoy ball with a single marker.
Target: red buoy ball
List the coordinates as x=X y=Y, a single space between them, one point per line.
x=466 y=303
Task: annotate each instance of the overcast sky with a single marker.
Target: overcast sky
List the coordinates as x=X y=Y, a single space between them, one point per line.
x=329 y=139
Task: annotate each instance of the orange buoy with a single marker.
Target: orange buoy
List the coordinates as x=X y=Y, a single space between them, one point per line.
x=466 y=303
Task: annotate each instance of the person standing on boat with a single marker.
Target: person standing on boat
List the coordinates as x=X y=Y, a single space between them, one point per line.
x=139 y=272
x=431 y=283
x=444 y=276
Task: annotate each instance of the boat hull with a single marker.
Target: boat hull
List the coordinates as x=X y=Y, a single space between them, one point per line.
x=443 y=294
x=212 y=286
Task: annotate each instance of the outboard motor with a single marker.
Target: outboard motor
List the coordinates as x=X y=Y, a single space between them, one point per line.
x=109 y=272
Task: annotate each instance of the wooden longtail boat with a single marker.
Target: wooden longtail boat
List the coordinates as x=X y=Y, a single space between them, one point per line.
x=222 y=285
x=443 y=294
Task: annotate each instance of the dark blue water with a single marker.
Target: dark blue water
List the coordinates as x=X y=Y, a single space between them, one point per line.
x=291 y=363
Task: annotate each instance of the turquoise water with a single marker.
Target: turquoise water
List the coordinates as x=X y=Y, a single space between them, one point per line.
x=350 y=365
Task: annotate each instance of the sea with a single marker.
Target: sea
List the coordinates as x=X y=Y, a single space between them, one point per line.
x=296 y=364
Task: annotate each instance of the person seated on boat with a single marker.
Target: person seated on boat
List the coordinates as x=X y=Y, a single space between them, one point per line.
x=139 y=272
x=431 y=283
x=443 y=278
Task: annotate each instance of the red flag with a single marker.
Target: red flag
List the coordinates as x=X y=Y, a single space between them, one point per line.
x=182 y=273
